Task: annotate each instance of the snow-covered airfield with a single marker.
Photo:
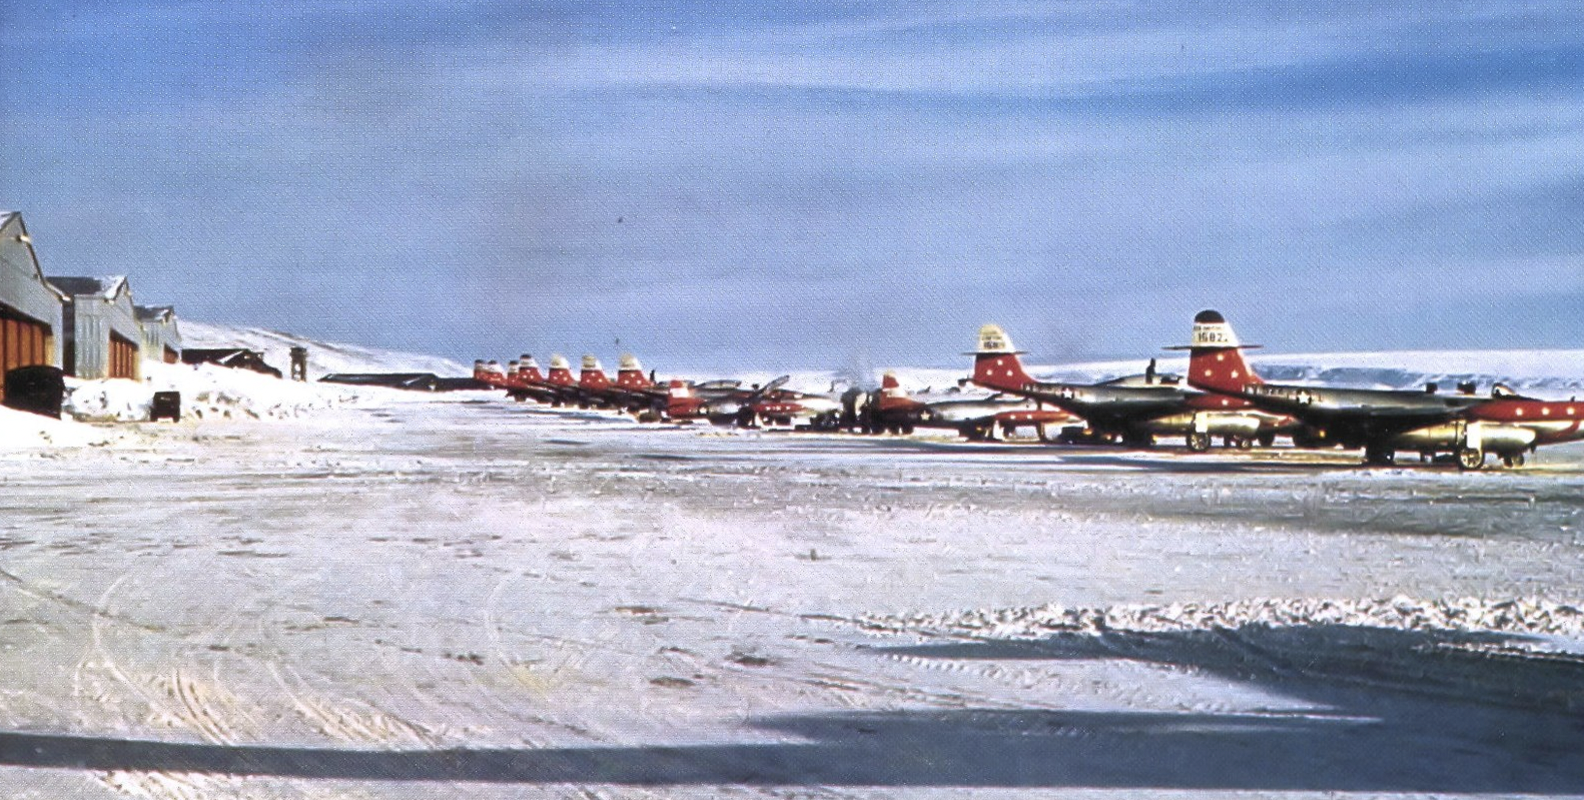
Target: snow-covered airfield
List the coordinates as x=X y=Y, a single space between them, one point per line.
x=318 y=591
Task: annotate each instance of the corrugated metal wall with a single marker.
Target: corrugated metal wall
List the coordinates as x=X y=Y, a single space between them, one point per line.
x=31 y=309
x=161 y=339
x=96 y=321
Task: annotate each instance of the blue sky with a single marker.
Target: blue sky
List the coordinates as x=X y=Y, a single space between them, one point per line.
x=764 y=185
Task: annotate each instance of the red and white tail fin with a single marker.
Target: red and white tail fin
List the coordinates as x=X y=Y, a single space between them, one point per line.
x=593 y=375
x=996 y=363
x=560 y=371
x=630 y=374
x=489 y=372
x=528 y=369
x=893 y=397
x=1215 y=356
x=890 y=386
x=681 y=402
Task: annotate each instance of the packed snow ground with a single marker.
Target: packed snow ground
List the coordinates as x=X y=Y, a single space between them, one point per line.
x=390 y=594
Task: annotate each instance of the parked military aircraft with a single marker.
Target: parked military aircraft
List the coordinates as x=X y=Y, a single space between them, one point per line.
x=1384 y=421
x=893 y=410
x=727 y=403
x=527 y=383
x=521 y=380
x=559 y=378
x=631 y=391
x=1134 y=409
x=489 y=372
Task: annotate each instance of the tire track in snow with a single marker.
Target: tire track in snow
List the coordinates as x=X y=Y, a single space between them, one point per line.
x=156 y=785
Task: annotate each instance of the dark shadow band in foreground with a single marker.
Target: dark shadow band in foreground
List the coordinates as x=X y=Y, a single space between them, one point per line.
x=955 y=749
x=1352 y=709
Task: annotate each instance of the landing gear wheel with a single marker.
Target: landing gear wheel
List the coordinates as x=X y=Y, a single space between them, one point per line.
x=1514 y=460
x=1267 y=439
x=1245 y=444
x=907 y=430
x=1198 y=442
x=1379 y=455
x=1470 y=458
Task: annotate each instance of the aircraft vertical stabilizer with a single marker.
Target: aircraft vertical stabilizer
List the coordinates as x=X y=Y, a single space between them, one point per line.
x=593 y=374
x=1215 y=357
x=996 y=363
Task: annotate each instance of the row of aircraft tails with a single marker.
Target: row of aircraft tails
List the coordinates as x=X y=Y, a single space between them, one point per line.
x=1222 y=399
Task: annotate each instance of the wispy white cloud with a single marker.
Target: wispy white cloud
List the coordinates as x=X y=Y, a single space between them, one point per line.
x=1087 y=173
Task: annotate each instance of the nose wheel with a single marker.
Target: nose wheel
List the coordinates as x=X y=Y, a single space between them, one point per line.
x=1514 y=460
x=1199 y=441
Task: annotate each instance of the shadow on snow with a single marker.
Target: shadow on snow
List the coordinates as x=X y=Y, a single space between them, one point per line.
x=1378 y=710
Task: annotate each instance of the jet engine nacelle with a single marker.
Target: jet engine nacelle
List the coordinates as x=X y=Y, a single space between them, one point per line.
x=1216 y=424
x=1499 y=438
x=1481 y=436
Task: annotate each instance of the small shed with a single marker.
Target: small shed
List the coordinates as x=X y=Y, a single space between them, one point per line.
x=30 y=309
x=161 y=338
x=102 y=334
x=229 y=357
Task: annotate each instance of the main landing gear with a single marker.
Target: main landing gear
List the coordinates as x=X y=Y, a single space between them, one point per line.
x=1470 y=459
x=1377 y=455
x=1138 y=440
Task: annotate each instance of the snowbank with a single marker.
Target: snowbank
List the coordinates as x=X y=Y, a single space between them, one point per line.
x=211 y=392
x=207 y=392
x=1515 y=616
x=20 y=430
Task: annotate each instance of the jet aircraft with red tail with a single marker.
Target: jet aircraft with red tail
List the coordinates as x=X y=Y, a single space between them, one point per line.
x=727 y=403
x=631 y=391
x=525 y=382
x=894 y=410
x=1134 y=409
x=1384 y=421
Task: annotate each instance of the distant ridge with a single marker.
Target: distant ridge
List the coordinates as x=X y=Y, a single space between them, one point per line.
x=323 y=357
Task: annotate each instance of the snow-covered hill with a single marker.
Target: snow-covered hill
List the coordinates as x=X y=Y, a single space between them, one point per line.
x=323 y=357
